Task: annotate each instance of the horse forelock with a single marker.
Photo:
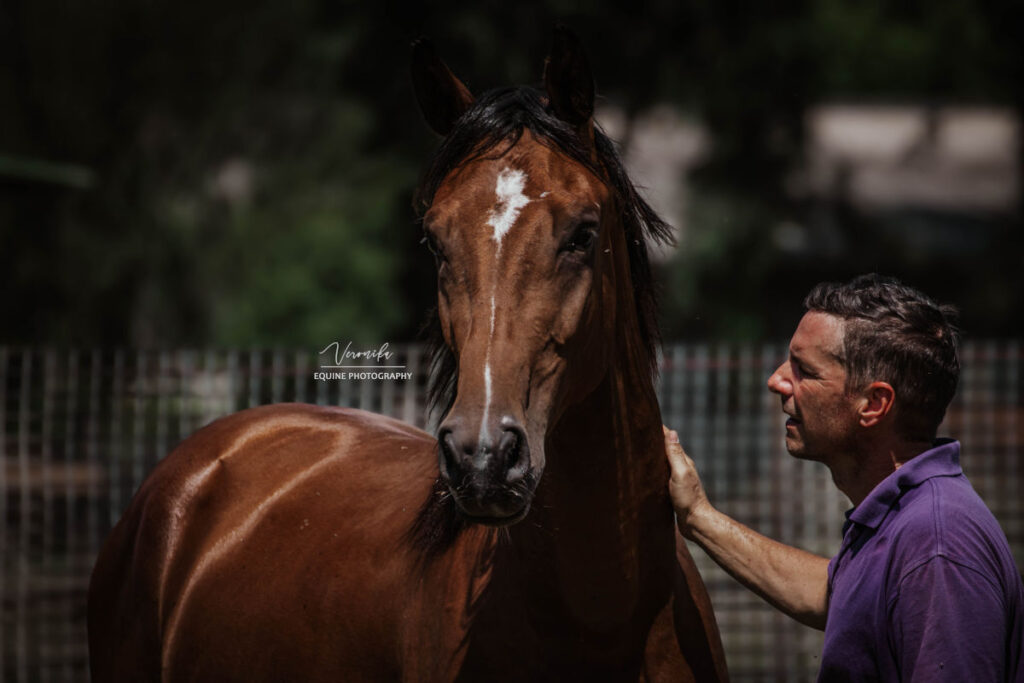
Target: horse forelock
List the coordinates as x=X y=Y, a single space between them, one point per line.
x=489 y=129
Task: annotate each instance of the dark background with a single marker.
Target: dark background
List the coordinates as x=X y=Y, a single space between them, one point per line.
x=227 y=173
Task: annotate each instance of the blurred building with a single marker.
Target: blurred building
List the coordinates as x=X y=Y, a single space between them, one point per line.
x=874 y=159
x=880 y=157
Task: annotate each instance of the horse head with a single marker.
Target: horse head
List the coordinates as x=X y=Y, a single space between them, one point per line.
x=524 y=213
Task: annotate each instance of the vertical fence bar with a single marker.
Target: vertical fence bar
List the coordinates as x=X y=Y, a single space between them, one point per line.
x=744 y=419
x=139 y=418
x=321 y=392
x=222 y=401
x=114 y=452
x=991 y=450
x=745 y=465
x=685 y=397
x=232 y=403
x=387 y=395
x=92 y=450
x=410 y=411
x=189 y=391
x=719 y=437
x=254 y=365
x=24 y=517
x=207 y=386
x=672 y=386
x=177 y=404
x=345 y=394
x=1014 y=403
x=301 y=365
x=4 y=551
x=763 y=491
x=700 y=405
x=45 y=602
x=163 y=394
x=964 y=427
x=277 y=377
x=366 y=394
x=70 y=461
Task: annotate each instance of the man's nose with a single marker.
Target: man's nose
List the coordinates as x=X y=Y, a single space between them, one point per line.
x=779 y=382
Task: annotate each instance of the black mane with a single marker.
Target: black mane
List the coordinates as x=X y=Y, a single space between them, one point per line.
x=492 y=126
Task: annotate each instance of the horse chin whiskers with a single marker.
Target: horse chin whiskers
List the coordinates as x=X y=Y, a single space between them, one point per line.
x=501 y=523
x=499 y=505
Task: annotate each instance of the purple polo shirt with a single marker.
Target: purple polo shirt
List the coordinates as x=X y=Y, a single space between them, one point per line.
x=924 y=587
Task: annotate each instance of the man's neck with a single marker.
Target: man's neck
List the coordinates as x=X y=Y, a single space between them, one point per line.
x=859 y=471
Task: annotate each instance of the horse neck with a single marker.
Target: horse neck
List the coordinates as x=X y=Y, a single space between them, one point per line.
x=602 y=502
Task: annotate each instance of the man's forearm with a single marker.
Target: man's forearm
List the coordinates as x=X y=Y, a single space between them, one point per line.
x=792 y=580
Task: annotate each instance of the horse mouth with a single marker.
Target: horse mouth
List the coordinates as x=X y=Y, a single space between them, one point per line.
x=496 y=506
x=489 y=520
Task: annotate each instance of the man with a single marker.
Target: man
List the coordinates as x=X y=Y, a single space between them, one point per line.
x=924 y=587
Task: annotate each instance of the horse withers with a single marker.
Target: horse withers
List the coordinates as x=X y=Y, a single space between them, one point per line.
x=531 y=540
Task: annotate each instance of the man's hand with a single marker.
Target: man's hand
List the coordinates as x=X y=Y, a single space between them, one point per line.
x=791 y=579
x=684 y=486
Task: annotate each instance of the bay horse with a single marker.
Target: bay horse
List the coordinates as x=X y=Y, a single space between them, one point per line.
x=531 y=540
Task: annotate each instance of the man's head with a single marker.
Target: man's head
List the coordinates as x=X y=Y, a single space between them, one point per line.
x=812 y=384
x=894 y=335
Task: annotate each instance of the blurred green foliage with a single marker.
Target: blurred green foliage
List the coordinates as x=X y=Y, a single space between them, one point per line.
x=251 y=164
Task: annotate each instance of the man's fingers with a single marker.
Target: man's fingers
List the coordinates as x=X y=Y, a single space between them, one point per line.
x=676 y=454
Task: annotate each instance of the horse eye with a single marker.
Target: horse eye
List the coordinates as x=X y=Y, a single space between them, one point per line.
x=433 y=246
x=582 y=237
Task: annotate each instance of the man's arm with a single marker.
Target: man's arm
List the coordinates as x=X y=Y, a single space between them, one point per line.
x=792 y=580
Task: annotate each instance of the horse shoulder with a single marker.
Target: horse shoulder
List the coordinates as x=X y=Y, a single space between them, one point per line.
x=285 y=519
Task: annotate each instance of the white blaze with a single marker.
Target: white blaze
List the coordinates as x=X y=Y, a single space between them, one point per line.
x=511 y=200
x=487 y=405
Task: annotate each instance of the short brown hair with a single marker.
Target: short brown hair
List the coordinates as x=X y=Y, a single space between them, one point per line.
x=896 y=334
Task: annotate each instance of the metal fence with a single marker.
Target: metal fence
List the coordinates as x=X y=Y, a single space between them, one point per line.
x=79 y=430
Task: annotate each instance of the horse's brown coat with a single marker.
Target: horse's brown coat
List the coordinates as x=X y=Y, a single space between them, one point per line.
x=275 y=544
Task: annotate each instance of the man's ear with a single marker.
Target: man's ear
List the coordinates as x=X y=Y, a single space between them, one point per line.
x=877 y=402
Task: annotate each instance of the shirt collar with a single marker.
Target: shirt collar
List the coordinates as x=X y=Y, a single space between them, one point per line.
x=942 y=460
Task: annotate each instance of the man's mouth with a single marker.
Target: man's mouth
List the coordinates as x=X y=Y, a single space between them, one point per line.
x=792 y=421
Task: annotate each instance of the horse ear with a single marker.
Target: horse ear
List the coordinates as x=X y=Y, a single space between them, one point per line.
x=569 y=83
x=442 y=97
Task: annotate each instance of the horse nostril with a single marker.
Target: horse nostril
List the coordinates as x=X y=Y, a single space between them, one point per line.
x=514 y=453
x=448 y=460
x=509 y=446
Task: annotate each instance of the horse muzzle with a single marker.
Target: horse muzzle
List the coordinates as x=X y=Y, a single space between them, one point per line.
x=488 y=472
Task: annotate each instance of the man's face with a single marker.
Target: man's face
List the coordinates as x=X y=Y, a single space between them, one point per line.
x=812 y=385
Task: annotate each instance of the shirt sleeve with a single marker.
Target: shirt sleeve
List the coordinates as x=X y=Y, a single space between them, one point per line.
x=948 y=623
